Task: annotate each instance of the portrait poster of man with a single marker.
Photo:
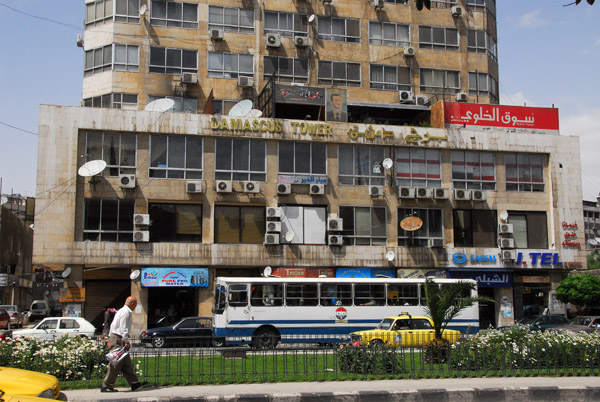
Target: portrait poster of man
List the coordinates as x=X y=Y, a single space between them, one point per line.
x=335 y=106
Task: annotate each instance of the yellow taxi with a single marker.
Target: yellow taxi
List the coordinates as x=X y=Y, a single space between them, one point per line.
x=403 y=330
x=17 y=382
x=19 y=398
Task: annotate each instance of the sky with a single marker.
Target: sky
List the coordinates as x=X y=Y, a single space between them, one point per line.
x=548 y=55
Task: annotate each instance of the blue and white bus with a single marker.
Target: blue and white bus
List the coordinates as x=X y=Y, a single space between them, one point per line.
x=263 y=311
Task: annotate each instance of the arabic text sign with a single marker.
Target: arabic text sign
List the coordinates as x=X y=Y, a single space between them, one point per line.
x=175 y=277
x=486 y=278
x=501 y=116
x=300 y=95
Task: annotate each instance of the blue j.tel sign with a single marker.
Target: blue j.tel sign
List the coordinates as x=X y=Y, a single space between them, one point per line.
x=540 y=258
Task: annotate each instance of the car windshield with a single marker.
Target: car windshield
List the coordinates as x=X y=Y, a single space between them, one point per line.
x=386 y=323
x=9 y=308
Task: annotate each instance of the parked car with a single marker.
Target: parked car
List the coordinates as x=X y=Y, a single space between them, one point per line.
x=192 y=331
x=4 y=319
x=4 y=397
x=53 y=328
x=403 y=330
x=39 y=309
x=16 y=318
x=30 y=383
x=541 y=322
x=583 y=323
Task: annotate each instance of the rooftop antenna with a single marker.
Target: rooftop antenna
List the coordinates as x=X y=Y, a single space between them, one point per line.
x=91 y=169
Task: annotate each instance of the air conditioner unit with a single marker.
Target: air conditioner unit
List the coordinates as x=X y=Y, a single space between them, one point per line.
x=274 y=212
x=506 y=243
x=141 y=219
x=127 y=180
x=284 y=188
x=462 y=195
x=479 y=195
x=335 y=240
x=375 y=191
x=317 y=189
x=217 y=34
x=378 y=4
x=273 y=40
x=335 y=224
x=141 y=235
x=422 y=100
x=505 y=228
x=406 y=97
x=457 y=11
x=272 y=238
x=301 y=41
x=435 y=242
x=251 y=186
x=194 y=187
x=273 y=226
x=189 y=78
x=508 y=255
x=406 y=192
x=245 y=82
x=79 y=40
x=424 y=192
x=223 y=186
x=441 y=193
x=409 y=51
x=461 y=97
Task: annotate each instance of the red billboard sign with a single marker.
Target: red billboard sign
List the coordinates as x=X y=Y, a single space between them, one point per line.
x=474 y=114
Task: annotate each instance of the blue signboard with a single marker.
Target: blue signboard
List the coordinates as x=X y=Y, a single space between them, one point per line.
x=364 y=272
x=174 y=277
x=485 y=278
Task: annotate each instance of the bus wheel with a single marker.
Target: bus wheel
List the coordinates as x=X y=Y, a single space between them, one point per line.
x=264 y=338
x=218 y=342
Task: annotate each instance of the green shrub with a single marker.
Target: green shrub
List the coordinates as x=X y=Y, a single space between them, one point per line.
x=377 y=359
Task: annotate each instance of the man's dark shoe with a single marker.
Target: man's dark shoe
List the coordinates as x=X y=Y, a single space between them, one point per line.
x=106 y=389
x=138 y=385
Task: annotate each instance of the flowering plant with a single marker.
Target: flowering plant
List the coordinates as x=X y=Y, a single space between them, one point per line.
x=370 y=359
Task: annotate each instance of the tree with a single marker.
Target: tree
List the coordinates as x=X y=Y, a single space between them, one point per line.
x=581 y=290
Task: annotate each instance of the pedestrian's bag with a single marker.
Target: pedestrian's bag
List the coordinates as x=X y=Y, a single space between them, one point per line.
x=116 y=355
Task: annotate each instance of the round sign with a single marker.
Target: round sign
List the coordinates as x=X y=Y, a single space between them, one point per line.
x=341 y=313
x=411 y=223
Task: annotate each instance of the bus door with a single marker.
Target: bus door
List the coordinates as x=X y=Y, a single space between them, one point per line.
x=238 y=302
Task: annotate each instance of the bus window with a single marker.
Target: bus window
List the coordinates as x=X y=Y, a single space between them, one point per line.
x=219 y=300
x=297 y=294
x=369 y=295
x=402 y=295
x=336 y=294
x=238 y=295
x=264 y=294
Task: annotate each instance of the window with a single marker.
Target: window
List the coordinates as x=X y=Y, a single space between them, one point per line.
x=361 y=165
x=303 y=158
x=307 y=223
x=393 y=78
x=418 y=167
x=182 y=105
x=113 y=100
x=475 y=228
x=402 y=295
x=482 y=84
x=108 y=219
x=174 y=14
x=231 y=19
x=439 y=81
x=364 y=226
x=239 y=224
x=480 y=5
x=103 y=10
x=286 y=69
x=118 y=150
x=68 y=324
x=339 y=73
x=286 y=24
x=473 y=170
x=127 y=11
x=336 y=294
x=222 y=106
x=432 y=228
x=230 y=65
x=266 y=294
x=481 y=42
x=240 y=160
x=339 y=29
x=111 y=57
x=98 y=11
x=524 y=172
x=389 y=34
x=397 y=1
x=175 y=157
x=173 y=61
x=175 y=222
x=298 y=294
x=438 y=38
x=443 y=3
x=369 y=295
x=530 y=229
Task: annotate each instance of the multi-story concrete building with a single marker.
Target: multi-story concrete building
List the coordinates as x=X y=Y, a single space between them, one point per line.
x=340 y=87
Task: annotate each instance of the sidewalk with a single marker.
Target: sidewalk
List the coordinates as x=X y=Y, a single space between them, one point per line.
x=460 y=390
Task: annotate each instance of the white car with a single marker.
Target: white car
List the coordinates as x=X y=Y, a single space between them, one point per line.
x=52 y=328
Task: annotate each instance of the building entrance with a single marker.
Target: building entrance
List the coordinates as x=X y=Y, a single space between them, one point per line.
x=487 y=310
x=168 y=305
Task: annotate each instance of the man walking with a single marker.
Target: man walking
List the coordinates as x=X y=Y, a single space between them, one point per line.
x=119 y=336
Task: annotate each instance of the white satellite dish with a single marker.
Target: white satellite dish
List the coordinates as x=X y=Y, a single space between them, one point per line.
x=134 y=275
x=143 y=9
x=311 y=18
x=387 y=163
x=254 y=113
x=390 y=255
x=92 y=168
x=503 y=216
x=289 y=236
x=3 y=200
x=160 y=105
x=241 y=109
x=267 y=271
x=65 y=274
